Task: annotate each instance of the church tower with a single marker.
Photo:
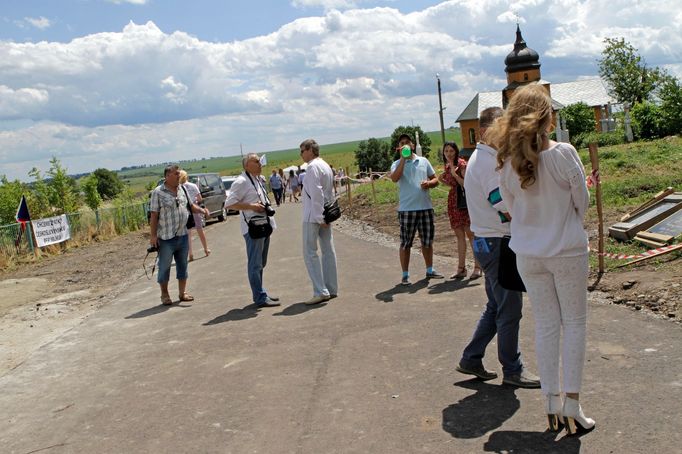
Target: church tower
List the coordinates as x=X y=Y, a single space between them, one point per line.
x=522 y=66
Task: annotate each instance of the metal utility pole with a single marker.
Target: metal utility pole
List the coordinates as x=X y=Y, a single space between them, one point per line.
x=440 y=112
x=241 y=150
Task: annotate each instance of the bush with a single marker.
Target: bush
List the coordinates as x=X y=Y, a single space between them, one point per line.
x=602 y=139
x=579 y=119
x=646 y=121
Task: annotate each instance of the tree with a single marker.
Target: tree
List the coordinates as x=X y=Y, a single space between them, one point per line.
x=109 y=185
x=10 y=196
x=373 y=154
x=424 y=140
x=63 y=191
x=670 y=95
x=39 y=200
x=579 y=119
x=92 y=197
x=626 y=73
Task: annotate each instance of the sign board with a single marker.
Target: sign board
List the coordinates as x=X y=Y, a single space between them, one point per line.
x=51 y=230
x=664 y=232
x=647 y=218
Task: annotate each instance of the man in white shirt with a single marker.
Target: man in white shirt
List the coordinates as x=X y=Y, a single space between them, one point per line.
x=248 y=195
x=318 y=189
x=490 y=223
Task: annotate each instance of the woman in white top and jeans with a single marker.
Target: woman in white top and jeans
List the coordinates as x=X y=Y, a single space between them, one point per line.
x=543 y=184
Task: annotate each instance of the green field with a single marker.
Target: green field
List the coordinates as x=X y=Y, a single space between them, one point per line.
x=337 y=154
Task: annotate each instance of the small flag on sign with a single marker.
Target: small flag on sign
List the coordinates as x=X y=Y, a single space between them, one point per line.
x=22 y=217
x=263 y=160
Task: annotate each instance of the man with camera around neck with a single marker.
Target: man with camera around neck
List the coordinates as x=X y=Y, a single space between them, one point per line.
x=168 y=225
x=318 y=189
x=248 y=195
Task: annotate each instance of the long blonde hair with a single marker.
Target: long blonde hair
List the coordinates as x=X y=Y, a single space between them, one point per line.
x=520 y=132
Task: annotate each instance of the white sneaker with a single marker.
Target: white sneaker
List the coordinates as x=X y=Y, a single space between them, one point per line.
x=318 y=299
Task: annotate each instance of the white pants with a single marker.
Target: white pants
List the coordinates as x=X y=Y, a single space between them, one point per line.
x=557 y=288
x=322 y=275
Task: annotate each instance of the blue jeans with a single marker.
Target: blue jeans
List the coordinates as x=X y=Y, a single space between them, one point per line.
x=322 y=275
x=257 y=258
x=501 y=316
x=178 y=248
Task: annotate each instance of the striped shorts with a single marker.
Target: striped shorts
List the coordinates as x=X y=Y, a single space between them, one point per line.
x=413 y=221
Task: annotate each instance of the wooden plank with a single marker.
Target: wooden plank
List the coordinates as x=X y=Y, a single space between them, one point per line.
x=666 y=192
x=594 y=159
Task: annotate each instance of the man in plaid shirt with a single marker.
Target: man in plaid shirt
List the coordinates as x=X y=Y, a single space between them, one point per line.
x=169 y=212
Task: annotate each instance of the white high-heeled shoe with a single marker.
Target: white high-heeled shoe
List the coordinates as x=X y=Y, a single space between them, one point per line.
x=553 y=406
x=575 y=419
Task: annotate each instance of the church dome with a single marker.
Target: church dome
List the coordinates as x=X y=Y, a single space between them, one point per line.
x=522 y=57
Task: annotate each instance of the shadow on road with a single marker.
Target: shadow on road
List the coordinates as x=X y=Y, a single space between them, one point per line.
x=387 y=295
x=481 y=412
x=452 y=285
x=520 y=442
x=298 y=309
x=161 y=308
x=234 y=315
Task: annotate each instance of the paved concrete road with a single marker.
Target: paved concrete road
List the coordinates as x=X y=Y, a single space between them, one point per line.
x=370 y=372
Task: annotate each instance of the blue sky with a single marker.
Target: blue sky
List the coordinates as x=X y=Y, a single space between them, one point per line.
x=111 y=83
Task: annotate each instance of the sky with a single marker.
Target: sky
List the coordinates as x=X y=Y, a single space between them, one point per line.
x=113 y=83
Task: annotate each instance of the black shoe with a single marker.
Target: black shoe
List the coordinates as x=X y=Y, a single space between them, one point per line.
x=478 y=371
x=269 y=302
x=523 y=380
x=405 y=281
x=434 y=275
x=273 y=298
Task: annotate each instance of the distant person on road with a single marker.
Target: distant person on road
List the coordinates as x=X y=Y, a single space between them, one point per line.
x=276 y=186
x=195 y=197
x=453 y=176
x=490 y=223
x=415 y=177
x=168 y=231
x=285 y=186
x=293 y=185
x=249 y=196
x=318 y=189
x=543 y=184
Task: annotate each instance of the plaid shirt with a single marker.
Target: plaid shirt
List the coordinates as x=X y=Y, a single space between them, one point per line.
x=172 y=211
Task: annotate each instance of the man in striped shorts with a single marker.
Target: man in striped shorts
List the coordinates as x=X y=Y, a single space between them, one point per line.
x=415 y=177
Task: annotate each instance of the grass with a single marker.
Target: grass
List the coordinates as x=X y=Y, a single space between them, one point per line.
x=339 y=155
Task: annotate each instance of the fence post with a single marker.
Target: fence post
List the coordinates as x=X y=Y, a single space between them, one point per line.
x=594 y=158
x=350 y=198
x=97 y=220
x=374 y=192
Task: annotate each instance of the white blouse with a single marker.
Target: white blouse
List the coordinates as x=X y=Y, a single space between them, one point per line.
x=547 y=217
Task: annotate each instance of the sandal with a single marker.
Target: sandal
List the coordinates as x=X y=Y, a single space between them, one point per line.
x=186 y=297
x=476 y=274
x=461 y=273
x=191 y=258
x=207 y=252
x=166 y=300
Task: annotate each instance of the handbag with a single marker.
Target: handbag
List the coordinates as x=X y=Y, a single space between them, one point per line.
x=507 y=272
x=461 y=197
x=259 y=226
x=190 y=219
x=331 y=211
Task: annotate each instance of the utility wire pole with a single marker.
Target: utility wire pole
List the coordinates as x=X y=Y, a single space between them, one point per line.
x=440 y=112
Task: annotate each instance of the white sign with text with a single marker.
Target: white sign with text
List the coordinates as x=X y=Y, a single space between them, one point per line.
x=51 y=230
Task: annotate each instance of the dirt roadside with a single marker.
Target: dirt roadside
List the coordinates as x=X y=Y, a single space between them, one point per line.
x=39 y=301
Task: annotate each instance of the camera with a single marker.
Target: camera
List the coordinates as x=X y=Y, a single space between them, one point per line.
x=151 y=249
x=269 y=210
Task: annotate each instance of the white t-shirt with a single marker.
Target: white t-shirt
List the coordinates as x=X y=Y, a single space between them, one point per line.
x=243 y=191
x=192 y=191
x=547 y=217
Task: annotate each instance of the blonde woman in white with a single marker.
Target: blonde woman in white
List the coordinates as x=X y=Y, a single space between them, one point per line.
x=543 y=184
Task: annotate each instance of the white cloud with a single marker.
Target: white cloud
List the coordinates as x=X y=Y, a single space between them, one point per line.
x=39 y=22
x=141 y=94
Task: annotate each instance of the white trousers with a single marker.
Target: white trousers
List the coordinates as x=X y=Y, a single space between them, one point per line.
x=557 y=289
x=322 y=272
